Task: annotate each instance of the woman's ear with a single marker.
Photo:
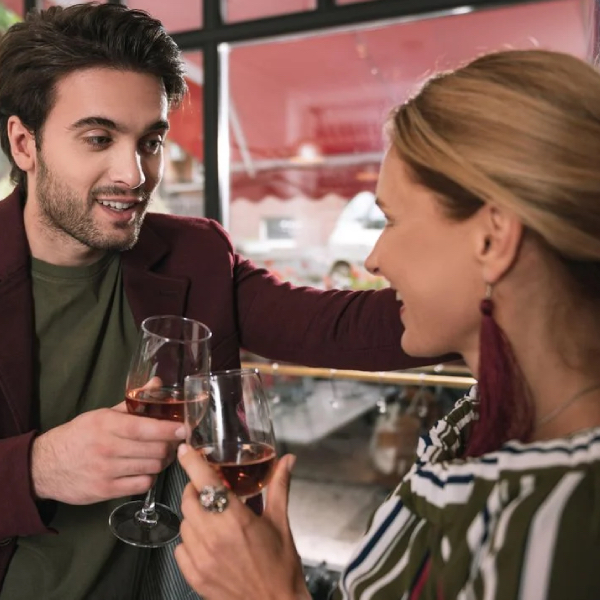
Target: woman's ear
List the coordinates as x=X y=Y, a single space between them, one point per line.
x=498 y=240
x=22 y=144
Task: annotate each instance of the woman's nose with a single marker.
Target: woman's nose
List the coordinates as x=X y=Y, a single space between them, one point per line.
x=371 y=263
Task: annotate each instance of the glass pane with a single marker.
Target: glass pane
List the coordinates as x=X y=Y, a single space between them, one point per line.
x=306 y=141
x=175 y=16
x=242 y=10
x=9 y=10
x=49 y=3
x=182 y=188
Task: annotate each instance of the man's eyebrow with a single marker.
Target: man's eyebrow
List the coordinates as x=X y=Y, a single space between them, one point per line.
x=160 y=125
x=96 y=122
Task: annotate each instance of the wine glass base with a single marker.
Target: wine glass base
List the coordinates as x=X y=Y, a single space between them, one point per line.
x=126 y=526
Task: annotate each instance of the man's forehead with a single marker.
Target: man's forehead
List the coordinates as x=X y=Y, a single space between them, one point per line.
x=128 y=99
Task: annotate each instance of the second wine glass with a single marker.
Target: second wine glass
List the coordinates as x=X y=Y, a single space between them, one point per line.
x=170 y=348
x=235 y=432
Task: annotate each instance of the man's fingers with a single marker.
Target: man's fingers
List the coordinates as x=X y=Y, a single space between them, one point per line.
x=126 y=448
x=278 y=492
x=155 y=382
x=130 y=486
x=146 y=429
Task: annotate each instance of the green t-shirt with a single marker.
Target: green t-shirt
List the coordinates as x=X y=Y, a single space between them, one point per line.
x=85 y=335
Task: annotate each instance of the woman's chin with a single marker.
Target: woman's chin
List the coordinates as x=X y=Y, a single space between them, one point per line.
x=413 y=347
x=418 y=347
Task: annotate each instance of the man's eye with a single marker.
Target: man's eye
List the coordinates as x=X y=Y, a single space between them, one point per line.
x=152 y=146
x=98 y=141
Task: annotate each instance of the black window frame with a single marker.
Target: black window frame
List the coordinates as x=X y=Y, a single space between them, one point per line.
x=326 y=16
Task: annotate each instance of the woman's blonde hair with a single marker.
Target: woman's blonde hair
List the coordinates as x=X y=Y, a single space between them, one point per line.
x=519 y=129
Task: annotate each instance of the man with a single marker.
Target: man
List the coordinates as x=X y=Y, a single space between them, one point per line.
x=84 y=99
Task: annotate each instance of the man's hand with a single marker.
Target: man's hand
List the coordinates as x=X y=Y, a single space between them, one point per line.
x=102 y=454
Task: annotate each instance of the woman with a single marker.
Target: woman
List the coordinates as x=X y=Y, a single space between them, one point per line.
x=491 y=190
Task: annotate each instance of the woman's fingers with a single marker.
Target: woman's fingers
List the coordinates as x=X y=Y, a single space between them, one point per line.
x=278 y=492
x=186 y=565
x=198 y=470
x=202 y=475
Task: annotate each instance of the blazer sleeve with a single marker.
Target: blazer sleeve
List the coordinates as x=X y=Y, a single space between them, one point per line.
x=20 y=514
x=336 y=329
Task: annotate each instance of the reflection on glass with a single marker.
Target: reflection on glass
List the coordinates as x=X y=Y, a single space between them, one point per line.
x=306 y=117
x=243 y=10
x=182 y=189
x=10 y=11
x=175 y=16
x=49 y=3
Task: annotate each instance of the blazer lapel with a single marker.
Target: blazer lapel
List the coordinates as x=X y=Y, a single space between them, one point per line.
x=149 y=293
x=16 y=315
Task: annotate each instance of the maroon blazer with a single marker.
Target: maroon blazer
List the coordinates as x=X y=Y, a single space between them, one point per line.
x=186 y=267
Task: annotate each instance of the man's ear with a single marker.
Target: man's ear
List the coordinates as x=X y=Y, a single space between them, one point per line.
x=497 y=241
x=22 y=144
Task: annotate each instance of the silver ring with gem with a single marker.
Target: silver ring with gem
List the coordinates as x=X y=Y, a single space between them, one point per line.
x=214 y=499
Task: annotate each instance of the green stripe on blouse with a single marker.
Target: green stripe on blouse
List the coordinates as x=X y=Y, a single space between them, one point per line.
x=522 y=522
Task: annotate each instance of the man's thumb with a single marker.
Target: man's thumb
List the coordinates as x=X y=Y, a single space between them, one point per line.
x=279 y=490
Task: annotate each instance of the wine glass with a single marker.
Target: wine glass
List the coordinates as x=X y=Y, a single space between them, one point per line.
x=169 y=349
x=235 y=433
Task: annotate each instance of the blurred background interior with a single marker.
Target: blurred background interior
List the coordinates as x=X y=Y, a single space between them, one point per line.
x=280 y=139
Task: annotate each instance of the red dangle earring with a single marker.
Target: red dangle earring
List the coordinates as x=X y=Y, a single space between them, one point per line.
x=503 y=411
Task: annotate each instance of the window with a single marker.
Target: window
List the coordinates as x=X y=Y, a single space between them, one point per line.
x=10 y=10
x=306 y=119
x=182 y=189
x=175 y=16
x=49 y=3
x=277 y=228
x=243 y=10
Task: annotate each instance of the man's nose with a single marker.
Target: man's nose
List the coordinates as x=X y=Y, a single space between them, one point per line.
x=128 y=170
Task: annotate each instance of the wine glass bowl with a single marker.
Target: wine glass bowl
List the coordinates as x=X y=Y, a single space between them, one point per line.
x=235 y=433
x=169 y=349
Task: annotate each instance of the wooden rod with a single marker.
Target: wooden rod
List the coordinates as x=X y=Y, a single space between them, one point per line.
x=387 y=377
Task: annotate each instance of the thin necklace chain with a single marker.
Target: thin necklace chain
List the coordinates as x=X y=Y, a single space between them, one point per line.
x=562 y=407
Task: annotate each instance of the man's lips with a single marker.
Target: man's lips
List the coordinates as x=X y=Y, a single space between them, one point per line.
x=120 y=203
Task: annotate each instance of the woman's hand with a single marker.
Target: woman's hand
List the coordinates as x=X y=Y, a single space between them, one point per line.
x=237 y=555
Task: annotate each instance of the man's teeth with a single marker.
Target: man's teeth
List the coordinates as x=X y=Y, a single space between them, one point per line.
x=398 y=297
x=115 y=205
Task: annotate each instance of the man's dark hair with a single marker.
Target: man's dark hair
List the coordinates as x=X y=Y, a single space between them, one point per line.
x=50 y=44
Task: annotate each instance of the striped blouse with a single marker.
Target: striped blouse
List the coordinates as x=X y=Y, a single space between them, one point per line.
x=519 y=523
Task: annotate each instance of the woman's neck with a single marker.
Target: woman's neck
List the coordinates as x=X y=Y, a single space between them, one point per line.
x=562 y=385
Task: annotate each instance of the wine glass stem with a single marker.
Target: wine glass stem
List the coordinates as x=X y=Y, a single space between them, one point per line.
x=147 y=515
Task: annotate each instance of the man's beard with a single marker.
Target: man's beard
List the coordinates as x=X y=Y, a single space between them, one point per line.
x=65 y=212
